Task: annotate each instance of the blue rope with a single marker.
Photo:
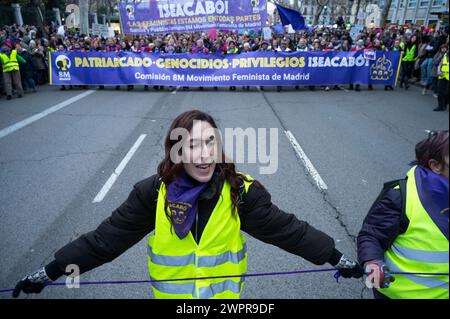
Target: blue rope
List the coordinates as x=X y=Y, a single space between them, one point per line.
x=337 y=275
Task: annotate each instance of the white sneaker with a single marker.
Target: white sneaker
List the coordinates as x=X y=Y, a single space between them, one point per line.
x=435 y=96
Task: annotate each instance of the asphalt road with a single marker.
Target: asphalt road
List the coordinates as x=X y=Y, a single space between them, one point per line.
x=52 y=169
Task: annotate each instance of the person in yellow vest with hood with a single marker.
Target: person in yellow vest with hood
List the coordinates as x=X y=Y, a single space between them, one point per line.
x=407 y=64
x=406 y=230
x=197 y=205
x=443 y=80
x=11 y=72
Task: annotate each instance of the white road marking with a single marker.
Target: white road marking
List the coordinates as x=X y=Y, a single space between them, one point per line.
x=309 y=166
x=176 y=89
x=11 y=129
x=112 y=179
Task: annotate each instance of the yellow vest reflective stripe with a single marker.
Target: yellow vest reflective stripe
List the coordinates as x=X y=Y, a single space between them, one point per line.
x=444 y=68
x=421 y=249
x=222 y=251
x=10 y=63
x=203 y=261
x=409 y=56
x=433 y=257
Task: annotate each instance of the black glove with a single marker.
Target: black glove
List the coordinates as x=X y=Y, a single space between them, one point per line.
x=349 y=268
x=33 y=283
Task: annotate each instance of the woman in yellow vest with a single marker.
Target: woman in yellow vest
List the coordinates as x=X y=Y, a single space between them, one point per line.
x=407 y=229
x=409 y=58
x=197 y=205
x=443 y=80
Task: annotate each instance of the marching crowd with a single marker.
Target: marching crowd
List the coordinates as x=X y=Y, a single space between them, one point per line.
x=423 y=51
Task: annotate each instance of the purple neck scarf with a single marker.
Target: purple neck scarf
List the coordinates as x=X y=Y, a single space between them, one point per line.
x=182 y=195
x=433 y=194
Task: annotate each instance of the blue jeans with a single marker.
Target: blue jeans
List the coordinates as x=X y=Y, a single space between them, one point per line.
x=425 y=72
x=28 y=83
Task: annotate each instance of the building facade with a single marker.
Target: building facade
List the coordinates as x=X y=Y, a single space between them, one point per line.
x=419 y=12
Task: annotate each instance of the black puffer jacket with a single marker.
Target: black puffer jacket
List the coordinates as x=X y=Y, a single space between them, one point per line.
x=135 y=219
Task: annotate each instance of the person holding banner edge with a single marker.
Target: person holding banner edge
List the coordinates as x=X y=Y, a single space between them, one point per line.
x=407 y=230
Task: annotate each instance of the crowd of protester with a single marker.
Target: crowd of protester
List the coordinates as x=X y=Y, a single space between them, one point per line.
x=422 y=48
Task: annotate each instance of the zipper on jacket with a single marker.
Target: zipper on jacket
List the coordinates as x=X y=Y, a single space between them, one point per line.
x=196 y=227
x=197 y=289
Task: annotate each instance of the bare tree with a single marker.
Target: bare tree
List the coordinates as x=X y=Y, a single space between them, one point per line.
x=341 y=8
x=319 y=8
x=109 y=11
x=92 y=5
x=40 y=17
x=385 y=12
x=358 y=4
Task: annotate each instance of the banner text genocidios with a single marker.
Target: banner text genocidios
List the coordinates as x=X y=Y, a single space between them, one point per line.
x=219 y=63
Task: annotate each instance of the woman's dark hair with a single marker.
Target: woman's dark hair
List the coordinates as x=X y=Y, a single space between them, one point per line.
x=169 y=171
x=409 y=43
x=435 y=146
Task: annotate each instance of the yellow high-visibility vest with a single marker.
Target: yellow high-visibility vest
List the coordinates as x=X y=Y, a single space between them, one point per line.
x=423 y=248
x=409 y=55
x=10 y=62
x=222 y=251
x=444 y=68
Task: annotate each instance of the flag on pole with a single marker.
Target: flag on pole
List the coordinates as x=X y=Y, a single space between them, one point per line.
x=292 y=17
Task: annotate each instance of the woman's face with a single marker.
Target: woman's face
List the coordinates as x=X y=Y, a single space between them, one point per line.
x=199 y=152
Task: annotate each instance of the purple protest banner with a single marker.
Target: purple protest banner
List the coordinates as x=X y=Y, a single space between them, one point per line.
x=252 y=69
x=166 y=16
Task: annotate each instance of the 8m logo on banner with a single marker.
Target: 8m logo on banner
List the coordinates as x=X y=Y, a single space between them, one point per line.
x=63 y=64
